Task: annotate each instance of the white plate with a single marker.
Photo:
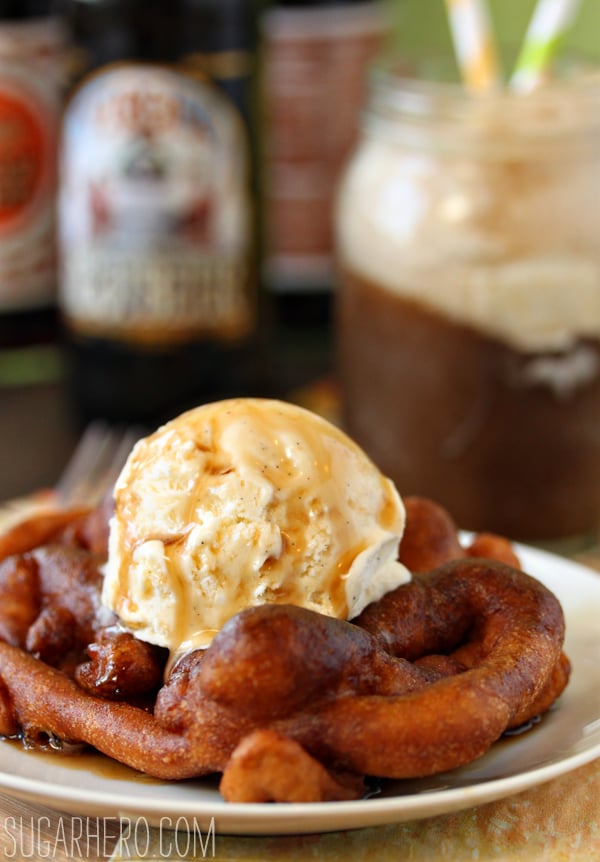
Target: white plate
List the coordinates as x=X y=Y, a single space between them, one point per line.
x=568 y=737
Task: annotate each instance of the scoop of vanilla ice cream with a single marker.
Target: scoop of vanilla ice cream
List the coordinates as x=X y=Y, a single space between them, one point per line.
x=244 y=502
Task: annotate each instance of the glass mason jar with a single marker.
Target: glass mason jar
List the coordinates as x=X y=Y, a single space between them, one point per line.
x=468 y=303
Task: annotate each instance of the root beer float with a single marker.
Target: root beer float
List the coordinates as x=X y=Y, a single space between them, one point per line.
x=468 y=308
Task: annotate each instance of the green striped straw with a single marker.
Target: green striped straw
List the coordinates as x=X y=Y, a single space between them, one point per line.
x=549 y=24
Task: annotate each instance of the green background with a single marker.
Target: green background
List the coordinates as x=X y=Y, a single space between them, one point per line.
x=421 y=26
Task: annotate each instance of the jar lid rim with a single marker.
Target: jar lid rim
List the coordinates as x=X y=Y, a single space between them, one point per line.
x=566 y=107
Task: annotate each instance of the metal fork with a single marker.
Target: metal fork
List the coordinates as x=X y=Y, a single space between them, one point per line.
x=89 y=474
x=95 y=464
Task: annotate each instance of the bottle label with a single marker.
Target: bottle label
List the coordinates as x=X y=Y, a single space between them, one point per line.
x=155 y=229
x=31 y=85
x=315 y=66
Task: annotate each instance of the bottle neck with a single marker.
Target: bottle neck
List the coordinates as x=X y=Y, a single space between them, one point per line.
x=18 y=10
x=162 y=30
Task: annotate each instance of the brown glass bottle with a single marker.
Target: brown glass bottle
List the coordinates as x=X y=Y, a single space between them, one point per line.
x=32 y=52
x=315 y=57
x=158 y=290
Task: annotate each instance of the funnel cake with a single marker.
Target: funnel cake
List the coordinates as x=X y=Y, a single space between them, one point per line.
x=287 y=703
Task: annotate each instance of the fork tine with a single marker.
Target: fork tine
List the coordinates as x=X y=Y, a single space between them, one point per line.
x=95 y=464
x=82 y=459
x=121 y=449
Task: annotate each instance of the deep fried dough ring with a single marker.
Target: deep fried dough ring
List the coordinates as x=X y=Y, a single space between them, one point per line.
x=51 y=602
x=519 y=627
x=431 y=538
x=39 y=529
x=254 y=773
x=21 y=604
x=44 y=702
x=359 y=704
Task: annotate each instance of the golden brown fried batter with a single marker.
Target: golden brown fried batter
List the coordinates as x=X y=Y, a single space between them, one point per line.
x=19 y=588
x=288 y=704
x=362 y=707
x=9 y=725
x=254 y=773
x=51 y=601
x=40 y=529
x=492 y=547
x=120 y=667
x=431 y=538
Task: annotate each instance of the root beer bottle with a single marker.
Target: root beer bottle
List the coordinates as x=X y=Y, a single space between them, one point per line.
x=157 y=286
x=315 y=57
x=32 y=54
x=315 y=54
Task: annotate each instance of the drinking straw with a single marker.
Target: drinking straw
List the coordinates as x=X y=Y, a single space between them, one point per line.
x=473 y=43
x=549 y=24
